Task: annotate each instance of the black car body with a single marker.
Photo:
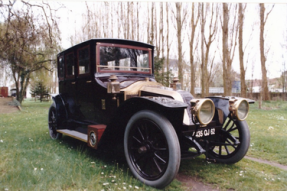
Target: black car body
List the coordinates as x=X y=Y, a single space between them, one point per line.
x=108 y=96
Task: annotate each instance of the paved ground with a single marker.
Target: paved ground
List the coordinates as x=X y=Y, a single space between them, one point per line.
x=5 y=108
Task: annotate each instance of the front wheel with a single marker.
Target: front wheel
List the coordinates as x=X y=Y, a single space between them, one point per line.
x=52 y=123
x=232 y=143
x=152 y=149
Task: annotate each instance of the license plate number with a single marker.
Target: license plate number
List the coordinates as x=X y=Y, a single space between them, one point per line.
x=204 y=132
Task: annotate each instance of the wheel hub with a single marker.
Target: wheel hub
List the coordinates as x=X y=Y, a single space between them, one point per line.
x=142 y=150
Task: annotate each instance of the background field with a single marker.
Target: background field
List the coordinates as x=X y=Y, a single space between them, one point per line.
x=30 y=160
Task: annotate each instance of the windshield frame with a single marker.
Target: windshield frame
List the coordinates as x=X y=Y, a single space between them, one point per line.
x=98 y=66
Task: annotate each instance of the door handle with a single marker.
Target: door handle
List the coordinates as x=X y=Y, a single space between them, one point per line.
x=89 y=81
x=73 y=82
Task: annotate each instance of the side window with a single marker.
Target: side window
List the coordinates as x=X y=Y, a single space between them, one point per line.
x=61 y=67
x=70 y=66
x=84 y=60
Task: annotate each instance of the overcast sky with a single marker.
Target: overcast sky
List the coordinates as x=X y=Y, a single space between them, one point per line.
x=276 y=29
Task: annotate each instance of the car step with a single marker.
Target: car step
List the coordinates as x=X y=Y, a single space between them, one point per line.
x=75 y=134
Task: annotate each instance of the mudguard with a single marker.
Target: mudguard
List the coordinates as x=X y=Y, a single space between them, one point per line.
x=173 y=110
x=61 y=111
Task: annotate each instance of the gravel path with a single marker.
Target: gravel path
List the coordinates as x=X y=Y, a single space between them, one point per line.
x=192 y=184
x=283 y=167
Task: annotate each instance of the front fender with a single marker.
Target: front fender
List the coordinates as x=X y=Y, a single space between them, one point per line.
x=173 y=110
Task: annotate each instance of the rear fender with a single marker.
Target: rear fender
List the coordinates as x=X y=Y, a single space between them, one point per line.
x=61 y=111
x=65 y=108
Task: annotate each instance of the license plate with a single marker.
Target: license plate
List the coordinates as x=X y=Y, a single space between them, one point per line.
x=204 y=132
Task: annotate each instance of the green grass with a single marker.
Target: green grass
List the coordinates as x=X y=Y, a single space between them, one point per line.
x=244 y=175
x=268 y=129
x=30 y=160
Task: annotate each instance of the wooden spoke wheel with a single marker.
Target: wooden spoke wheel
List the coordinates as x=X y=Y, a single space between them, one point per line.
x=152 y=149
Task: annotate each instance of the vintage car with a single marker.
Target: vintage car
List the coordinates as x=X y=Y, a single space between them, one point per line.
x=108 y=96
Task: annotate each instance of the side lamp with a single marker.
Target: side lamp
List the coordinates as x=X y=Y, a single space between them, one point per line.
x=113 y=86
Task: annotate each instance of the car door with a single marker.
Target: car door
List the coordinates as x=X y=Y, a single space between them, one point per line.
x=69 y=84
x=85 y=84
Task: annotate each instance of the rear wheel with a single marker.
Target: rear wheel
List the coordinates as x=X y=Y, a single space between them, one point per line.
x=152 y=149
x=52 y=122
x=232 y=142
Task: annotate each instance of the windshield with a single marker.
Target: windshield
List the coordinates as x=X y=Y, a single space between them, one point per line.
x=123 y=58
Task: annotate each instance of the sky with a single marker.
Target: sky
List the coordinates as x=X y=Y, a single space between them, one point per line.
x=71 y=19
x=275 y=29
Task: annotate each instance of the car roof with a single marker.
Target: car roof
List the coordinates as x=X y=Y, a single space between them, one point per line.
x=111 y=40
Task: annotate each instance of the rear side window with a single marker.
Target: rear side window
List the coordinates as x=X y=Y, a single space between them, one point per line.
x=70 y=65
x=61 y=66
x=84 y=60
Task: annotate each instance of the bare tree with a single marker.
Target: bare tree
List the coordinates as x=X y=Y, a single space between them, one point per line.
x=263 y=19
x=168 y=44
x=138 y=23
x=206 y=44
x=152 y=24
x=241 y=11
x=193 y=23
x=156 y=35
x=161 y=29
x=229 y=37
x=179 y=27
x=202 y=29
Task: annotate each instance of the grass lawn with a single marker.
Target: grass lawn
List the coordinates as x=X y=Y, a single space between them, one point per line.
x=268 y=128
x=30 y=160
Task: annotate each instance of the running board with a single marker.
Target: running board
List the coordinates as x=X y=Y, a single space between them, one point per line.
x=75 y=134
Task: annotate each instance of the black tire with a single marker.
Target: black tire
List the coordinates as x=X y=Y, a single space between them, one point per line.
x=152 y=149
x=52 y=123
x=232 y=143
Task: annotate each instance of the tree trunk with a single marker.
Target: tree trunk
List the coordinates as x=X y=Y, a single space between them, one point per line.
x=264 y=88
x=148 y=24
x=132 y=20
x=161 y=38
x=152 y=25
x=225 y=46
x=167 y=41
x=138 y=22
x=191 y=42
x=161 y=30
x=241 y=53
x=229 y=38
x=203 y=94
x=128 y=21
x=179 y=45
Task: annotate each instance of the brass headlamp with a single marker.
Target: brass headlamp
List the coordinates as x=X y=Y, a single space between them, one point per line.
x=239 y=108
x=203 y=110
